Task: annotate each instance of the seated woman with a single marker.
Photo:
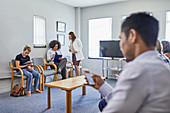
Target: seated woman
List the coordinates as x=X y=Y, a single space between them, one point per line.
x=55 y=47
x=166 y=48
x=28 y=71
x=160 y=50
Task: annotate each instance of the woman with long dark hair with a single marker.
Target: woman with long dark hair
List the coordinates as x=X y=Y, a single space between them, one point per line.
x=76 y=49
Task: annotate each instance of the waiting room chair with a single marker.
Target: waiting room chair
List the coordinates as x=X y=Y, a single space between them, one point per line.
x=14 y=75
x=42 y=64
x=71 y=66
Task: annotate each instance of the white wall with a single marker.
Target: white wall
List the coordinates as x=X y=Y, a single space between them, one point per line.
x=16 y=28
x=116 y=10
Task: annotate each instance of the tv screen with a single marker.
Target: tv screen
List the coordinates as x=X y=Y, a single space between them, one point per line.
x=110 y=48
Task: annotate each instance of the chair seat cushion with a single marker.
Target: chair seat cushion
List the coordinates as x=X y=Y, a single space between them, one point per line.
x=70 y=66
x=16 y=75
x=49 y=72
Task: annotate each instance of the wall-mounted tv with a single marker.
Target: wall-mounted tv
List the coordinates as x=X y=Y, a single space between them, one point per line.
x=110 y=48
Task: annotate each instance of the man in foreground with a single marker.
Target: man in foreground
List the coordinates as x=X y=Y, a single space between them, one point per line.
x=143 y=86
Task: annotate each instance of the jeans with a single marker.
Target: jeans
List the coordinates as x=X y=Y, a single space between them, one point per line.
x=102 y=104
x=30 y=75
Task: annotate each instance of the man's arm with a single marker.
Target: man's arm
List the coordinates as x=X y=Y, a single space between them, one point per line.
x=130 y=93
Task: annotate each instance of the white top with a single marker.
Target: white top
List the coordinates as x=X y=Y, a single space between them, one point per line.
x=50 y=53
x=77 y=46
x=143 y=87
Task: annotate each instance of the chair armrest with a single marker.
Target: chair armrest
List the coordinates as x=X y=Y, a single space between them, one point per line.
x=37 y=68
x=42 y=70
x=70 y=63
x=19 y=70
x=55 y=67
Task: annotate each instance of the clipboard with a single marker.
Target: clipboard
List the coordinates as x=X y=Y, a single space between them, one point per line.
x=56 y=58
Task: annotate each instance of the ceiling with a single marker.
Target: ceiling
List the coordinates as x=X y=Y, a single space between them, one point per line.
x=87 y=3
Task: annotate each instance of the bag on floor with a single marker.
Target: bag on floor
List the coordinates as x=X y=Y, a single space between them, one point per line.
x=17 y=90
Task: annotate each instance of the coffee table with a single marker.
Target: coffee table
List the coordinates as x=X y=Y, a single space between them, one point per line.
x=68 y=85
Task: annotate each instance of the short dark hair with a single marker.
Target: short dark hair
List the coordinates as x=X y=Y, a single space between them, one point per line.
x=53 y=43
x=145 y=25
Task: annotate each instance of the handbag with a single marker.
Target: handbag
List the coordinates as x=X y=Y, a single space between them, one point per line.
x=17 y=90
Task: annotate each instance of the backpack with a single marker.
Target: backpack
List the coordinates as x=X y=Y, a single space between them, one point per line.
x=17 y=90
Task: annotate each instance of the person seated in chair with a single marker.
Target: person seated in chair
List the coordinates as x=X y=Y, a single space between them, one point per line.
x=160 y=50
x=28 y=71
x=55 y=47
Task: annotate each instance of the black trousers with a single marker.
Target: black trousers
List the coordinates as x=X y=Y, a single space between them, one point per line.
x=61 y=64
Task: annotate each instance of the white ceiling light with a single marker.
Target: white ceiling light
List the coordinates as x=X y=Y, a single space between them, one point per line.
x=87 y=3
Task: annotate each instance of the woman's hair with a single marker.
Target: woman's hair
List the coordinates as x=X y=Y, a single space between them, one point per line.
x=159 y=46
x=27 y=48
x=53 y=43
x=72 y=35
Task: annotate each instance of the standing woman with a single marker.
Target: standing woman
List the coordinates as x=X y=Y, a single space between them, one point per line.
x=55 y=47
x=76 y=49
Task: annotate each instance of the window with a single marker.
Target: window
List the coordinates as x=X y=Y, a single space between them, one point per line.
x=99 y=29
x=167 y=35
x=39 y=32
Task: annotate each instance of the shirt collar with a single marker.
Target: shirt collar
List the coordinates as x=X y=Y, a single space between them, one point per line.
x=146 y=54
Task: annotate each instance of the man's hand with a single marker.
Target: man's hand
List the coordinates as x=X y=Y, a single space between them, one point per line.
x=117 y=77
x=98 y=81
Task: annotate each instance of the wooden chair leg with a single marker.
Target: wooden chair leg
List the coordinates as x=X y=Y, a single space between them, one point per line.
x=72 y=72
x=40 y=83
x=44 y=79
x=22 y=84
x=43 y=83
x=56 y=77
x=31 y=83
x=12 y=79
x=26 y=84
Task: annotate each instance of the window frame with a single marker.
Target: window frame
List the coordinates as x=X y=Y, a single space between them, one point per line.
x=39 y=45
x=102 y=39
x=167 y=21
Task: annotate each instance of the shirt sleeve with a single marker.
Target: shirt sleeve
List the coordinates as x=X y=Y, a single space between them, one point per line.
x=17 y=58
x=105 y=89
x=28 y=58
x=49 y=55
x=130 y=92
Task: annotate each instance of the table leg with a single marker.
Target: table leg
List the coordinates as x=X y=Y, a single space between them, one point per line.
x=48 y=97
x=84 y=90
x=68 y=101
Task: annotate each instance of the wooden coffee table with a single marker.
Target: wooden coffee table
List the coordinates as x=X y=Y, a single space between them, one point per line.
x=68 y=85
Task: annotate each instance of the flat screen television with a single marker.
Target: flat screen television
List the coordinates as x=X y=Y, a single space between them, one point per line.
x=110 y=48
